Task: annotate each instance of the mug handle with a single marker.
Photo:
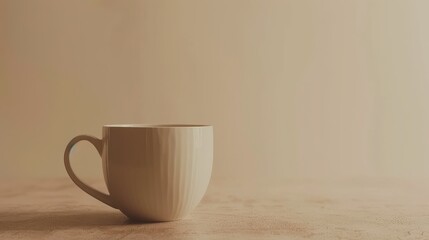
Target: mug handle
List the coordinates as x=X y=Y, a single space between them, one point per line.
x=98 y=144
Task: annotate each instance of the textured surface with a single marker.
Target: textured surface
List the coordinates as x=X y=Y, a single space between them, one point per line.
x=360 y=209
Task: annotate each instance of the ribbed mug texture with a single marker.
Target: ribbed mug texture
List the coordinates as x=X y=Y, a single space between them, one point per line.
x=157 y=173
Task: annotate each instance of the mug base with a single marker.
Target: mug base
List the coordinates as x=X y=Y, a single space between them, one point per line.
x=139 y=219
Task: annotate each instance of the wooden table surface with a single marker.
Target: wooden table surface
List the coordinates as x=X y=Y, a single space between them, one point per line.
x=296 y=209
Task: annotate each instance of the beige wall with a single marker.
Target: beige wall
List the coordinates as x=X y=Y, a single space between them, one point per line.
x=293 y=88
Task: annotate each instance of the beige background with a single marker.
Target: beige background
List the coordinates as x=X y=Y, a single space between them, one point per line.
x=293 y=88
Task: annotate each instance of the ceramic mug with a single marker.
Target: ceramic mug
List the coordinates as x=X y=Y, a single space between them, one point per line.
x=152 y=172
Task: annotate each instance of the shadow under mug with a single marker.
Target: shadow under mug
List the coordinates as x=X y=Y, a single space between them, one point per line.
x=152 y=172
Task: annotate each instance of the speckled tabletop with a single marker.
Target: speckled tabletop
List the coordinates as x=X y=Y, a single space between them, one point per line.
x=296 y=209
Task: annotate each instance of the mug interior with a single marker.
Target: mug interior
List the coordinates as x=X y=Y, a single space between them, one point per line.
x=155 y=125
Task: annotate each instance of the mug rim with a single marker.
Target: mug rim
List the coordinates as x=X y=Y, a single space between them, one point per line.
x=139 y=125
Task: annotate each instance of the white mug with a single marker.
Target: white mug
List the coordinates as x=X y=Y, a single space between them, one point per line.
x=152 y=172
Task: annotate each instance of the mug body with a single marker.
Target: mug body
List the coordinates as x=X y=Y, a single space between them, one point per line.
x=157 y=172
